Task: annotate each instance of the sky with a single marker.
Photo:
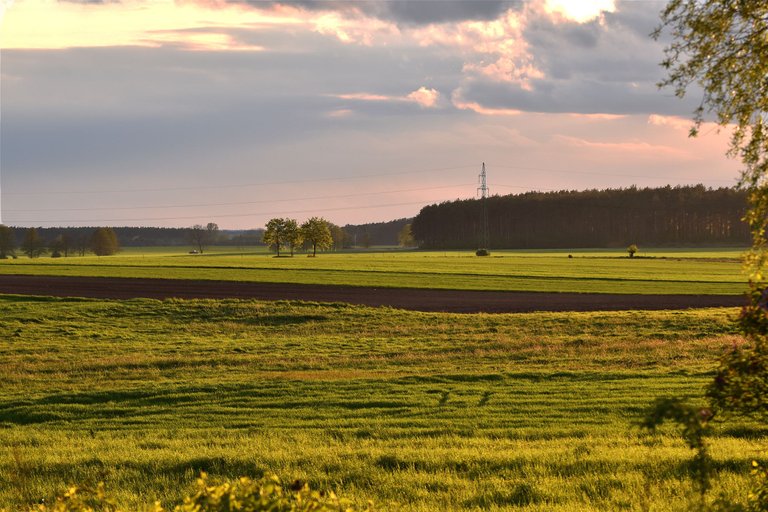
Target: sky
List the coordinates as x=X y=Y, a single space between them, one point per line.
x=175 y=113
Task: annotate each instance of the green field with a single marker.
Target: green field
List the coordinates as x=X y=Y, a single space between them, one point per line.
x=431 y=411
x=676 y=271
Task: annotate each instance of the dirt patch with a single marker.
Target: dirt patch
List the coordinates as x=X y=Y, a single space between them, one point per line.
x=454 y=301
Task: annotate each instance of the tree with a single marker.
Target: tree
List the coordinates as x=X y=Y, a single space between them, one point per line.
x=405 y=237
x=81 y=243
x=632 y=249
x=722 y=46
x=293 y=234
x=7 y=242
x=61 y=245
x=202 y=236
x=278 y=234
x=340 y=237
x=33 y=244
x=104 y=242
x=317 y=233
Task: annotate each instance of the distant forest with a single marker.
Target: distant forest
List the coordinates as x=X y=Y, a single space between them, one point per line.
x=363 y=235
x=668 y=216
x=374 y=233
x=151 y=237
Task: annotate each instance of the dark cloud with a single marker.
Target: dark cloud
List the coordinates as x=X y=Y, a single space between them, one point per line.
x=608 y=65
x=578 y=96
x=402 y=12
x=425 y=12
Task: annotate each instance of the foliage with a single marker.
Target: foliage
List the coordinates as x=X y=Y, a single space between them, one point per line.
x=376 y=233
x=246 y=495
x=281 y=233
x=695 y=428
x=632 y=249
x=293 y=235
x=33 y=245
x=317 y=233
x=202 y=236
x=104 y=242
x=722 y=47
x=339 y=235
x=405 y=237
x=689 y=215
x=7 y=242
x=61 y=245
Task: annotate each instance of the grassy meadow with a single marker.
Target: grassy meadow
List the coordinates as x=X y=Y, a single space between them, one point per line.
x=675 y=271
x=430 y=411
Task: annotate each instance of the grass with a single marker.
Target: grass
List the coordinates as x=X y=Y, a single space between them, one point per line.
x=675 y=271
x=431 y=411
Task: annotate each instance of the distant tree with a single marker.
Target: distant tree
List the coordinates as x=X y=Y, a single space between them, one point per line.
x=7 y=242
x=277 y=234
x=61 y=245
x=82 y=243
x=366 y=239
x=405 y=237
x=632 y=249
x=203 y=236
x=340 y=237
x=33 y=244
x=293 y=234
x=104 y=242
x=317 y=234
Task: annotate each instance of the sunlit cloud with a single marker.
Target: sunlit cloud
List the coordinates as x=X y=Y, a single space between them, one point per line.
x=461 y=104
x=48 y=24
x=496 y=50
x=358 y=30
x=632 y=146
x=340 y=113
x=201 y=41
x=423 y=96
x=678 y=123
x=598 y=117
x=580 y=11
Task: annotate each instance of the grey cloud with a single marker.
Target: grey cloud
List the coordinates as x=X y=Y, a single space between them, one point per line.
x=426 y=12
x=92 y=107
x=578 y=96
x=404 y=12
x=608 y=66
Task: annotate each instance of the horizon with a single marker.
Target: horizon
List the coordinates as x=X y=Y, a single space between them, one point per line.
x=174 y=114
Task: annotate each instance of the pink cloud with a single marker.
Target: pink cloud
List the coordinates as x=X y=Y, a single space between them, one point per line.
x=423 y=96
x=426 y=98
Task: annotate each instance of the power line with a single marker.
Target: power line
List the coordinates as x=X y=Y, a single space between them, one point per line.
x=249 y=214
x=239 y=203
x=242 y=185
x=616 y=175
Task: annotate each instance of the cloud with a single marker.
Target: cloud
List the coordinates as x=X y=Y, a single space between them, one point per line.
x=425 y=97
x=461 y=104
x=401 y=12
x=580 y=11
x=677 y=123
x=636 y=147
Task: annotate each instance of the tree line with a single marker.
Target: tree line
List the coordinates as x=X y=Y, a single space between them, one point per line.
x=99 y=241
x=684 y=215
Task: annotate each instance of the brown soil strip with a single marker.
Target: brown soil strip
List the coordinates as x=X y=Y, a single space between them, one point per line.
x=454 y=301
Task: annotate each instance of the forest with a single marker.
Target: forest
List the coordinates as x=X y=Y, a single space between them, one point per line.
x=667 y=216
